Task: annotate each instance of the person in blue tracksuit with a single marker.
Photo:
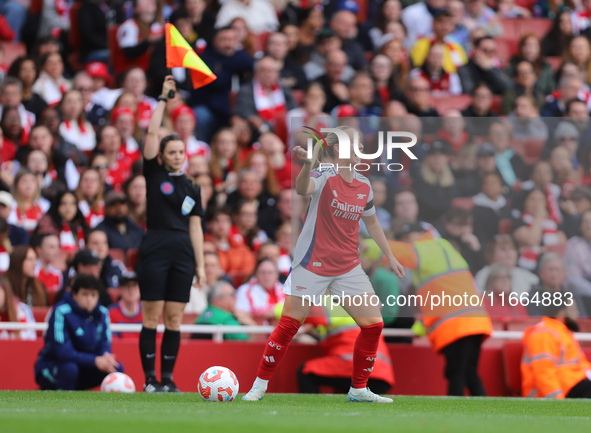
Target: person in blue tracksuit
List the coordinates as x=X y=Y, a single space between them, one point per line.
x=77 y=352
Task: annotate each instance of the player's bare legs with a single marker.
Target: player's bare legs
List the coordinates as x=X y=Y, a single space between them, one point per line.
x=295 y=311
x=370 y=321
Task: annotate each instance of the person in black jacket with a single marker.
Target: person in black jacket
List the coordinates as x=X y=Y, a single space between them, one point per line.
x=291 y=73
x=92 y=24
x=482 y=68
x=112 y=270
x=122 y=232
x=211 y=103
x=434 y=184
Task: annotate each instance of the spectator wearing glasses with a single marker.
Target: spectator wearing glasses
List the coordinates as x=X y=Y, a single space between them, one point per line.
x=333 y=81
x=568 y=88
x=95 y=113
x=418 y=102
x=484 y=67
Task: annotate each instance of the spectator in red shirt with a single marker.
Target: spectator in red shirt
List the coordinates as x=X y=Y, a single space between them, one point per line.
x=184 y=123
x=135 y=82
x=123 y=119
x=29 y=207
x=245 y=228
x=65 y=220
x=128 y=309
x=279 y=162
x=109 y=143
x=47 y=247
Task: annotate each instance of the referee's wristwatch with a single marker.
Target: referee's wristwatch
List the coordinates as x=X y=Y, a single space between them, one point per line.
x=162 y=98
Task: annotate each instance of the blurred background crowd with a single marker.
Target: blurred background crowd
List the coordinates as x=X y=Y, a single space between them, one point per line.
x=497 y=93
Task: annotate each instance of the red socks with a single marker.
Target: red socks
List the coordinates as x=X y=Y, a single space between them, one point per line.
x=364 y=355
x=277 y=346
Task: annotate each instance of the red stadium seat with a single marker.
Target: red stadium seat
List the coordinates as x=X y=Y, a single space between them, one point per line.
x=496 y=104
x=131 y=257
x=506 y=48
x=527 y=4
x=12 y=50
x=36 y=7
x=114 y=293
x=538 y=26
x=522 y=324
x=188 y=319
x=40 y=313
x=298 y=96
x=117 y=254
x=458 y=102
x=260 y=41
x=505 y=226
x=555 y=62
x=509 y=29
x=463 y=203
x=512 y=351
x=74 y=38
x=533 y=150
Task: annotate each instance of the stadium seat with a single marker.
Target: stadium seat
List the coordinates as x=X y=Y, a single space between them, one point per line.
x=463 y=203
x=538 y=26
x=36 y=7
x=512 y=351
x=506 y=48
x=260 y=41
x=298 y=96
x=496 y=103
x=527 y=4
x=509 y=30
x=505 y=226
x=558 y=249
x=114 y=293
x=555 y=62
x=40 y=313
x=522 y=324
x=533 y=150
x=117 y=254
x=458 y=102
x=188 y=319
x=131 y=257
x=74 y=39
x=12 y=50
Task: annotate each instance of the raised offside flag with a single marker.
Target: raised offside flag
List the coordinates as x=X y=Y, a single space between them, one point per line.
x=179 y=54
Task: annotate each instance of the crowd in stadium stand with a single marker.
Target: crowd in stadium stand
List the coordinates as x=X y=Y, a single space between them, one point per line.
x=498 y=94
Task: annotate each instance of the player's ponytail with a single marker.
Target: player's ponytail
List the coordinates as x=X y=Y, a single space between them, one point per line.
x=326 y=154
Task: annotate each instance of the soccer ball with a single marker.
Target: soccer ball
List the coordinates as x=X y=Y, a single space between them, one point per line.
x=117 y=382
x=218 y=384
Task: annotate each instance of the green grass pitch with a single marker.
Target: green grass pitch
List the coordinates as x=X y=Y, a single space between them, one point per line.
x=89 y=412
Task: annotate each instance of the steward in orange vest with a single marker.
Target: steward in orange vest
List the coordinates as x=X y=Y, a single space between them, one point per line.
x=335 y=367
x=457 y=331
x=553 y=364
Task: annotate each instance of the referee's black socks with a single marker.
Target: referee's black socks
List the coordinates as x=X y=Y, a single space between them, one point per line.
x=168 y=353
x=148 y=352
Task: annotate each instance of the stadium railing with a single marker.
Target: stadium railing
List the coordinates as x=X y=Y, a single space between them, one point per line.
x=218 y=331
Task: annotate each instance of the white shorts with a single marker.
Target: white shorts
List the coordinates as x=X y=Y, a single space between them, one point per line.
x=301 y=282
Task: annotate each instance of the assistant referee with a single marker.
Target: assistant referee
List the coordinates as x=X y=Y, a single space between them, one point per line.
x=172 y=249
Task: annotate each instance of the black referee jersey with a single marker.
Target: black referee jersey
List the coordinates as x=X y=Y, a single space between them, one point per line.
x=171 y=198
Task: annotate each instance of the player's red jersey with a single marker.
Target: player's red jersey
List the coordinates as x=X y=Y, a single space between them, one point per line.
x=327 y=244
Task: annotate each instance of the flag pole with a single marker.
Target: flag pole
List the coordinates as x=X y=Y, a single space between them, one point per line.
x=169 y=71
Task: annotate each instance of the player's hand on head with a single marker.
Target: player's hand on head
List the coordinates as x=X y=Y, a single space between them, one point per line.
x=302 y=154
x=168 y=85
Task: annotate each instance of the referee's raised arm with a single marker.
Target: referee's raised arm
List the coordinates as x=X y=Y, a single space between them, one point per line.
x=151 y=146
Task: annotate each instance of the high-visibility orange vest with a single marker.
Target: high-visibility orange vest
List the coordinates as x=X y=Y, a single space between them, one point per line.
x=552 y=361
x=338 y=346
x=437 y=269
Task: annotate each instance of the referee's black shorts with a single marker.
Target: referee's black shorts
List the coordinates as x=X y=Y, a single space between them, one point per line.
x=166 y=266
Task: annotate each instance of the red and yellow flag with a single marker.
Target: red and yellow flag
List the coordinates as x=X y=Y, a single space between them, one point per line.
x=180 y=54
